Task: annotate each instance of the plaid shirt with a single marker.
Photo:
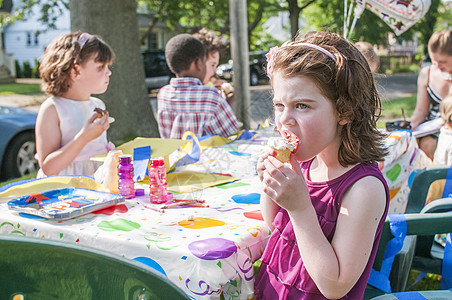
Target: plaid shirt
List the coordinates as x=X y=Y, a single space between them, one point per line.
x=186 y=104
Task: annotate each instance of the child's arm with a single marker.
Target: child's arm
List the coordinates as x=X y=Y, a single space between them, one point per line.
x=335 y=267
x=51 y=156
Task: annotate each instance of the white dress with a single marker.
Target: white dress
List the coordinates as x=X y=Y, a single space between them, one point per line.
x=443 y=152
x=73 y=116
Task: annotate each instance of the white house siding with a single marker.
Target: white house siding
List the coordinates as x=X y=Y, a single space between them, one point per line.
x=21 y=40
x=20 y=37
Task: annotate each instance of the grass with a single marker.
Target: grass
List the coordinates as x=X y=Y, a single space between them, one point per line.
x=19 y=88
x=429 y=282
x=392 y=109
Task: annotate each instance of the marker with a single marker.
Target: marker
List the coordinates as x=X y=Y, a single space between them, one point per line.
x=154 y=208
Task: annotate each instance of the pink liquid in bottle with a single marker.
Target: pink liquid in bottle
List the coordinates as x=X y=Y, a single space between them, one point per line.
x=125 y=172
x=157 y=179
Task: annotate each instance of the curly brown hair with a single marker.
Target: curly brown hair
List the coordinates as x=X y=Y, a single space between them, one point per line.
x=348 y=82
x=63 y=53
x=212 y=42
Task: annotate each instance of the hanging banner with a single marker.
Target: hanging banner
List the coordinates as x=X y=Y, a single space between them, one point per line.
x=400 y=15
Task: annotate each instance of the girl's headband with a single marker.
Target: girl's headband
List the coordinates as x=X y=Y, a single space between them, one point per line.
x=271 y=60
x=83 y=38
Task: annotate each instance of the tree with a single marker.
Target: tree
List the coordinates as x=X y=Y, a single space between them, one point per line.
x=126 y=98
x=426 y=26
x=294 y=13
x=189 y=16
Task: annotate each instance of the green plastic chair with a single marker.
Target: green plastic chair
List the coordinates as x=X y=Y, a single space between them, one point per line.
x=417 y=224
x=428 y=254
x=420 y=186
x=417 y=197
x=44 y=269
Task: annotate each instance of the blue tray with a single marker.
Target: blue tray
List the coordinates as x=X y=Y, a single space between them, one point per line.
x=64 y=203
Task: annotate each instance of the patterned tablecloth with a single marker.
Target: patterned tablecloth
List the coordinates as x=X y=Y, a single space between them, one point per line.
x=400 y=166
x=204 y=250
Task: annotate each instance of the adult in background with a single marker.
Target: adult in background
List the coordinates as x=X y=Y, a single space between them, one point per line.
x=433 y=84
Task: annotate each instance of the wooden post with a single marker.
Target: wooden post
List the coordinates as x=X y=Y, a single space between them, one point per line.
x=240 y=57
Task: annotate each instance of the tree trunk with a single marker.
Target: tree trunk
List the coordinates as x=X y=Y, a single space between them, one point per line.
x=294 y=16
x=116 y=22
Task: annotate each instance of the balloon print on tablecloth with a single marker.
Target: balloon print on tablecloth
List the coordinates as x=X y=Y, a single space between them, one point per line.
x=213 y=248
x=151 y=263
x=200 y=223
x=253 y=198
x=209 y=249
x=394 y=172
x=226 y=252
x=255 y=214
x=118 y=225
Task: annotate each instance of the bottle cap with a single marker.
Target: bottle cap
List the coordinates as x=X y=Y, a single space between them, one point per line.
x=156 y=162
x=126 y=158
x=139 y=192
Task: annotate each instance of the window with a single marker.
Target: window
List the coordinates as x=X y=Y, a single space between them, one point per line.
x=32 y=39
x=152 y=41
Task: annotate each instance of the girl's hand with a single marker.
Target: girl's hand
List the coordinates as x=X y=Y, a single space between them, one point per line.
x=285 y=184
x=260 y=163
x=95 y=126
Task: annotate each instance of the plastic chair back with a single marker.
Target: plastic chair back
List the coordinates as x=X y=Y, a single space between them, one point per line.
x=417 y=224
x=424 y=259
x=420 y=186
x=45 y=269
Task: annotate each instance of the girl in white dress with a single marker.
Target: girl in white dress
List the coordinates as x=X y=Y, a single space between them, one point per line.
x=68 y=130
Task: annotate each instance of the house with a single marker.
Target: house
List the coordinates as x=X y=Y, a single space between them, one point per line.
x=26 y=39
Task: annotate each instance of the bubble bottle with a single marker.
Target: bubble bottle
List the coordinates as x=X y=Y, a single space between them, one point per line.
x=157 y=178
x=125 y=172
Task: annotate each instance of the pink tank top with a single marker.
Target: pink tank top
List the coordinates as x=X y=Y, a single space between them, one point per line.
x=282 y=274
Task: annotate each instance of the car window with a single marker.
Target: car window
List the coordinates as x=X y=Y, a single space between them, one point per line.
x=155 y=64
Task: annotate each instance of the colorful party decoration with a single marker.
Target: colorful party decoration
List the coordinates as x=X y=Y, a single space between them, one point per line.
x=398 y=15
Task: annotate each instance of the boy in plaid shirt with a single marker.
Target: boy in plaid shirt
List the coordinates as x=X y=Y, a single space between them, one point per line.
x=185 y=103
